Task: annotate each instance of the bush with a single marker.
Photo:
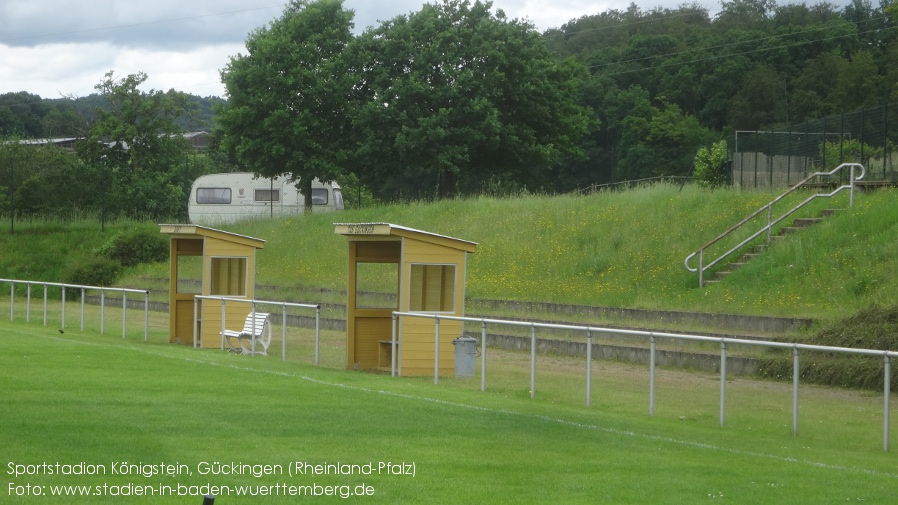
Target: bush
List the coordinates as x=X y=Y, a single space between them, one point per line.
x=137 y=246
x=711 y=166
x=95 y=271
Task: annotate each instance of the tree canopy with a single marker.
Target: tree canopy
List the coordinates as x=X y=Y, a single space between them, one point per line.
x=453 y=97
x=431 y=104
x=135 y=152
x=287 y=114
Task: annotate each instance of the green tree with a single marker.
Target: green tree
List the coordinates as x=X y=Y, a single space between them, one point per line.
x=453 y=97
x=135 y=150
x=287 y=98
x=659 y=141
x=711 y=165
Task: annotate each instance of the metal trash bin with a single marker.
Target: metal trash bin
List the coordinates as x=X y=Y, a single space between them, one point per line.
x=465 y=356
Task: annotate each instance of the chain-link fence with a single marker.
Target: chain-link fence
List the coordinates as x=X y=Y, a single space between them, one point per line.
x=786 y=156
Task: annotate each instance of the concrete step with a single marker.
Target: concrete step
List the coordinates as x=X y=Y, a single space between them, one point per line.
x=804 y=222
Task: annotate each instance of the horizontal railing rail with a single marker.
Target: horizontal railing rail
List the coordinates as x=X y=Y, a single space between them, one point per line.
x=651 y=336
x=771 y=221
x=254 y=303
x=83 y=289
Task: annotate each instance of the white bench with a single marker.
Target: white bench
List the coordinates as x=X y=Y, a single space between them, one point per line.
x=256 y=328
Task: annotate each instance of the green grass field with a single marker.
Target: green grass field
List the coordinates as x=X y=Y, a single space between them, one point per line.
x=116 y=404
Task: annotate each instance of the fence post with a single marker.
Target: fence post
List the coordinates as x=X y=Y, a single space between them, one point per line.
x=284 y=335
x=45 y=304
x=651 y=375
x=63 y=308
x=588 y=368
x=82 y=309
x=532 y=360
x=888 y=392
x=12 y=299
x=253 y=352
x=124 y=312
x=723 y=380
x=102 y=311
x=483 y=355
x=223 y=323
x=393 y=347
x=318 y=332
x=795 y=373
x=146 y=317
x=193 y=321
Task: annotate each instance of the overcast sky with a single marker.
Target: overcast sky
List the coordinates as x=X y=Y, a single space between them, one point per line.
x=57 y=48
x=62 y=47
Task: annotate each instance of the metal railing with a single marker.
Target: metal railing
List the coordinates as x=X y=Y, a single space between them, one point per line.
x=254 y=303
x=652 y=336
x=771 y=222
x=103 y=290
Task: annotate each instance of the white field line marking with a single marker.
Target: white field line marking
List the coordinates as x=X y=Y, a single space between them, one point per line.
x=545 y=418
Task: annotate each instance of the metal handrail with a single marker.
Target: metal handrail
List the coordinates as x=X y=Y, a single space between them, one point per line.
x=652 y=337
x=702 y=266
x=82 y=288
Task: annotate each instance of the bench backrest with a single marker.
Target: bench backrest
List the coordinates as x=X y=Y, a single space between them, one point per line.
x=255 y=326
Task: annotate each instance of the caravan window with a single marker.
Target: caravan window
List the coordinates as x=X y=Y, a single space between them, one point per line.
x=213 y=195
x=319 y=196
x=268 y=195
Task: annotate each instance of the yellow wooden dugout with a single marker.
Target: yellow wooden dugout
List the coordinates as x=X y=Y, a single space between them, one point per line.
x=394 y=268
x=208 y=262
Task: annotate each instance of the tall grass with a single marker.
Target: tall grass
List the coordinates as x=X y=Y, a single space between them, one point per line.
x=613 y=249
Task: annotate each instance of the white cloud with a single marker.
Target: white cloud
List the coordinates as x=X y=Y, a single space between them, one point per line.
x=48 y=47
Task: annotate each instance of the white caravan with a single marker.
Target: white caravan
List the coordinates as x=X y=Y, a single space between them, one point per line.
x=230 y=197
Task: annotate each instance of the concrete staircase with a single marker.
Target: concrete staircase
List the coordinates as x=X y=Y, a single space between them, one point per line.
x=797 y=225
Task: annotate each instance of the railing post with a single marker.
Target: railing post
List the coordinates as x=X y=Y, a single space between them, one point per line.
x=223 y=324
x=317 y=332
x=436 y=350
x=851 y=190
x=253 y=336
x=532 y=360
x=888 y=393
x=723 y=381
x=193 y=320
x=482 y=355
x=284 y=335
x=769 y=219
x=27 y=305
x=12 y=299
x=45 y=304
x=124 y=312
x=651 y=375
x=393 y=346
x=103 y=311
x=82 y=309
x=588 y=368
x=795 y=373
x=146 y=317
x=701 y=268
x=63 y=308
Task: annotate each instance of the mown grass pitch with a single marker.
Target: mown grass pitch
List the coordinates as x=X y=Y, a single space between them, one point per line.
x=153 y=417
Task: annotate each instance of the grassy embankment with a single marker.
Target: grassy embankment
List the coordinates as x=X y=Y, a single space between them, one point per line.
x=621 y=249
